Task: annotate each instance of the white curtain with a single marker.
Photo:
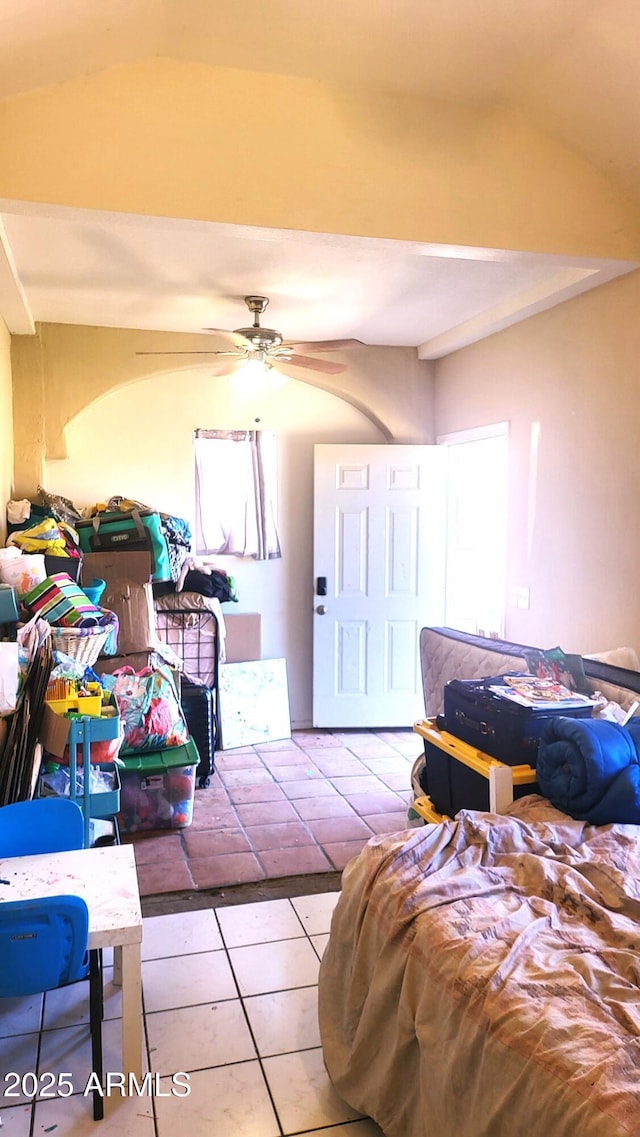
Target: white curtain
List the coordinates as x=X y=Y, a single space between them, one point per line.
x=236 y=493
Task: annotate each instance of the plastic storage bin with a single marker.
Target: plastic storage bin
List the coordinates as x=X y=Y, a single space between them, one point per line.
x=158 y=788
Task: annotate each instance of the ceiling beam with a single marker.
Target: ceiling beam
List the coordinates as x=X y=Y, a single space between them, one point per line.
x=14 y=308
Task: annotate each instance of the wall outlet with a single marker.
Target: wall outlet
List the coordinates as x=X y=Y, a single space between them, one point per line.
x=518 y=596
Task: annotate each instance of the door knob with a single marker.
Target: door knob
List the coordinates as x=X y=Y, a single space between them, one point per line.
x=321 y=609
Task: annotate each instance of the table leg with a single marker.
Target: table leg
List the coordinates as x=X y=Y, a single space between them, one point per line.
x=131 y=1010
x=117 y=966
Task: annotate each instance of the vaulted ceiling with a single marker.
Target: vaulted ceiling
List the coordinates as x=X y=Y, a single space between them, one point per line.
x=570 y=66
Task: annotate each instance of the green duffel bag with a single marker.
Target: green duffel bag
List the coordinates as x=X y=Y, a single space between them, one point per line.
x=137 y=531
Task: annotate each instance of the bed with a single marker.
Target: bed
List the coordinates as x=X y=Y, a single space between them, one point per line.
x=481 y=978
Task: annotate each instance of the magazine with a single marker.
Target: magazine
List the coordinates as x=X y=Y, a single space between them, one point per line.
x=539 y=693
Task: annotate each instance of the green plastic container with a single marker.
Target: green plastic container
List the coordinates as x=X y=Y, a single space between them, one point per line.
x=158 y=788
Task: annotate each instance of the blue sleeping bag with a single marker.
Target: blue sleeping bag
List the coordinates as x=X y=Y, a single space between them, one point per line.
x=590 y=769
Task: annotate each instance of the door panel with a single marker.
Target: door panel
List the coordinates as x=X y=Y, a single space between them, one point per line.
x=379 y=541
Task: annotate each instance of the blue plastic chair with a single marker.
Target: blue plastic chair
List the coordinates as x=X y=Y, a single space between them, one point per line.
x=44 y=825
x=43 y=943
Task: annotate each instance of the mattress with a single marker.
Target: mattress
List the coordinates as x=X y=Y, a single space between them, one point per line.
x=449 y=654
x=481 y=978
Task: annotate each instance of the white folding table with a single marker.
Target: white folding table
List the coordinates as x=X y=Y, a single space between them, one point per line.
x=106 y=879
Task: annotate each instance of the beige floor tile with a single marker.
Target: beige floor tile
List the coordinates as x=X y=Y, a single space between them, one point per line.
x=228 y=1101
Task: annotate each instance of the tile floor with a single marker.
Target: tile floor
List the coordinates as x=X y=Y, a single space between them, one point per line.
x=300 y=806
x=230 y=998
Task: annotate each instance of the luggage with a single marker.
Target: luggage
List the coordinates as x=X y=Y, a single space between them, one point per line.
x=137 y=531
x=502 y=729
x=458 y=776
x=199 y=708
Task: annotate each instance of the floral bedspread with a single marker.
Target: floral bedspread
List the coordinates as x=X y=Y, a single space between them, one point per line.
x=482 y=978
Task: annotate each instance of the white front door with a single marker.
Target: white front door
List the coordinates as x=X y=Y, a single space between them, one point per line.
x=379 y=523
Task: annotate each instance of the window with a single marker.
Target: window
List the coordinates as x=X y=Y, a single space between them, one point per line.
x=236 y=493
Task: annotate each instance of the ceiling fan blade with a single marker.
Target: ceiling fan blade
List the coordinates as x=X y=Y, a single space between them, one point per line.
x=324 y=365
x=241 y=341
x=325 y=345
x=236 y=354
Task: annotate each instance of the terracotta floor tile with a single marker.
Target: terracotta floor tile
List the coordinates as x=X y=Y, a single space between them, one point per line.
x=397 y=781
x=331 y=829
x=277 y=744
x=278 y=836
x=395 y=737
x=211 y=842
x=328 y=754
x=253 y=776
x=373 y=749
x=348 y=767
x=382 y=802
x=267 y=791
x=158 y=847
x=273 y=758
x=386 y=822
x=214 y=817
x=310 y=738
x=349 y=736
x=393 y=764
x=233 y=761
x=365 y=784
x=158 y=877
x=294 y=862
x=227 y=868
x=295 y=773
x=284 y=808
x=314 y=807
x=308 y=787
x=340 y=853
x=266 y=813
x=215 y=791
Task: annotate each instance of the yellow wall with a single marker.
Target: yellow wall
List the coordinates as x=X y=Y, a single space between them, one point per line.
x=181 y=139
x=574 y=520
x=6 y=427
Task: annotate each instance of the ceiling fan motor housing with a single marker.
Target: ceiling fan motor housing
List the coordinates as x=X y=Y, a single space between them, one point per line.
x=261 y=339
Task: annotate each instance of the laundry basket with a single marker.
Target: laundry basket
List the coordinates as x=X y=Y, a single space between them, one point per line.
x=85 y=644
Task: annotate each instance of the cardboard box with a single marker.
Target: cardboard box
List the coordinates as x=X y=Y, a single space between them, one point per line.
x=55 y=730
x=138 y=660
x=128 y=593
x=243 y=639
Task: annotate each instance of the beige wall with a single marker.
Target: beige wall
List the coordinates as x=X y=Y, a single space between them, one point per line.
x=137 y=441
x=574 y=518
x=178 y=139
x=6 y=427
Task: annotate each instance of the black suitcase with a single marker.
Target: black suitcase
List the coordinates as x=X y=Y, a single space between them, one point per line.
x=503 y=729
x=199 y=706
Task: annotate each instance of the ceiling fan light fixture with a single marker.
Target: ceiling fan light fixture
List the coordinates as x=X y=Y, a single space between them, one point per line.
x=256 y=376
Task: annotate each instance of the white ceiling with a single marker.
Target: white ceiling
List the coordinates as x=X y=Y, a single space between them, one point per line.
x=570 y=66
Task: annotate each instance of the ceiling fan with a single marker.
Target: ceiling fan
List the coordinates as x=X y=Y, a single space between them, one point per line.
x=267 y=347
